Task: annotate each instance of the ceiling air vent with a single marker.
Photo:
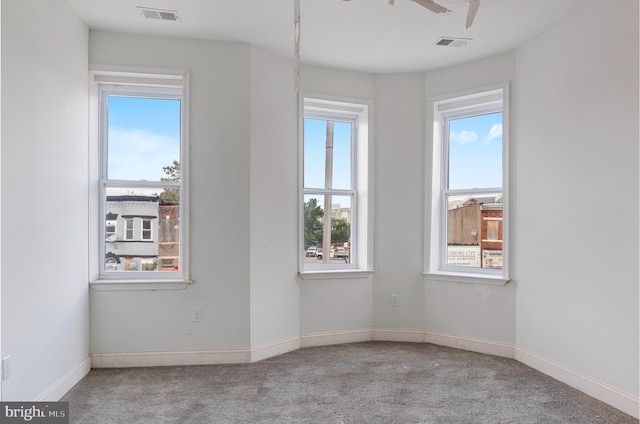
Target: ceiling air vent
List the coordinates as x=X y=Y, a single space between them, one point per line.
x=452 y=42
x=165 y=15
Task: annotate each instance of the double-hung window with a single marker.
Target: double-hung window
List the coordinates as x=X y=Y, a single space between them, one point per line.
x=468 y=237
x=335 y=203
x=146 y=229
x=140 y=174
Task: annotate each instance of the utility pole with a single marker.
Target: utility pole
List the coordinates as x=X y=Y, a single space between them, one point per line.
x=328 y=183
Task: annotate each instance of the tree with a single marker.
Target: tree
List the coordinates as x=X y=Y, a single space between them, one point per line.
x=340 y=230
x=313 y=214
x=172 y=172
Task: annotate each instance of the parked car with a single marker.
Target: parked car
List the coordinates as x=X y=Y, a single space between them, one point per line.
x=312 y=251
x=343 y=253
x=319 y=254
x=339 y=252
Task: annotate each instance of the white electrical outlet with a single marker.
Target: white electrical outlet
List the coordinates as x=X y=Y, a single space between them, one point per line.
x=197 y=315
x=394 y=300
x=6 y=367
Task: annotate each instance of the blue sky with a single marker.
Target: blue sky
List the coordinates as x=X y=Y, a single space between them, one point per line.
x=475 y=152
x=144 y=136
x=315 y=134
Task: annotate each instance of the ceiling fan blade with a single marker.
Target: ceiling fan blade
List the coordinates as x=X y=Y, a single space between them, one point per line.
x=432 y=6
x=473 y=9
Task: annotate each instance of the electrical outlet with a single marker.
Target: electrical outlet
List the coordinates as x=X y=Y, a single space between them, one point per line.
x=394 y=300
x=6 y=367
x=196 y=316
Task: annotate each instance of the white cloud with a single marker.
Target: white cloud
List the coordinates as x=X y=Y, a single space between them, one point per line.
x=464 y=137
x=494 y=133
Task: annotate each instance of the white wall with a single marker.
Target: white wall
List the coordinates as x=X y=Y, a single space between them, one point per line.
x=399 y=211
x=336 y=82
x=577 y=195
x=275 y=294
x=152 y=321
x=45 y=317
x=473 y=311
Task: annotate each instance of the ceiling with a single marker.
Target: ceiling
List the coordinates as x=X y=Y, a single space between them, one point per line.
x=362 y=35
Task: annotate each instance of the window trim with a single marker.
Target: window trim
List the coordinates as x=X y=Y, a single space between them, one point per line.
x=137 y=80
x=439 y=109
x=312 y=105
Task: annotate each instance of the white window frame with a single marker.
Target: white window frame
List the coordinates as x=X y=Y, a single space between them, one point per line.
x=441 y=109
x=360 y=113
x=135 y=81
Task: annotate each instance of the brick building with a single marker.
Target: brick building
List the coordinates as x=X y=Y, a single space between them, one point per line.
x=474 y=233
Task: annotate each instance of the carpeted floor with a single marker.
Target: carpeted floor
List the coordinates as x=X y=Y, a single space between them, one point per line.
x=373 y=382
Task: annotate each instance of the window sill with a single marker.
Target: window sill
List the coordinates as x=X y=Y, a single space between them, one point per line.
x=133 y=285
x=334 y=274
x=452 y=277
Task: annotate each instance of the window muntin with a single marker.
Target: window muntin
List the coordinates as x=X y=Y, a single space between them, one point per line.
x=335 y=196
x=140 y=145
x=469 y=185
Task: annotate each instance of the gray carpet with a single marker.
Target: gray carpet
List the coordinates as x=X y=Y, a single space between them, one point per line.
x=373 y=382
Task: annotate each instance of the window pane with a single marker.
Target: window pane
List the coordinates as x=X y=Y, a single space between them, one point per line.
x=143 y=138
x=341 y=229
x=342 y=155
x=128 y=229
x=142 y=230
x=475 y=152
x=314 y=224
x=315 y=148
x=323 y=141
x=474 y=230
x=169 y=237
x=146 y=229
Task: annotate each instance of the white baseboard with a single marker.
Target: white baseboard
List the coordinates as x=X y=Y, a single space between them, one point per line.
x=208 y=357
x=623 y=401
x=336 y=337
x=163 y=359
x=505 y=350
x=398 y=335
x=274 y=349
x=65 y=383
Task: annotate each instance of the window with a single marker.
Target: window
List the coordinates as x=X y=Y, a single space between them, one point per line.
x=146 y=229
x=110 y=227
x=140 y=172
x=469 y=186
x=128 y=230
x=335 y=211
